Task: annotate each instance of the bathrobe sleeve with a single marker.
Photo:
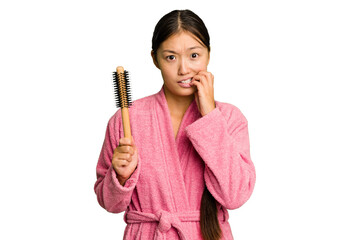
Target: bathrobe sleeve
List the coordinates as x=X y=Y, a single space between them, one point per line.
x=111 y=195
x=221 y=139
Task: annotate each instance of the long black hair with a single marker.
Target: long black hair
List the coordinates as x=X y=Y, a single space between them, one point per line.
x=172 y=23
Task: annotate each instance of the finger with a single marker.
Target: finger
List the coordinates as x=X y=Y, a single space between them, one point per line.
x=199 y=75
x=205 y=73
x=125 y=141
x=121 y=163
x=204 y=78
x=199 y=78
x=126 y=149
x=123 y=156
x=122 y=149
x=199 y=82
x=208 y=78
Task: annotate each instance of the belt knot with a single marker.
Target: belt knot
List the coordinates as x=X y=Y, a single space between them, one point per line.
x=167 y=220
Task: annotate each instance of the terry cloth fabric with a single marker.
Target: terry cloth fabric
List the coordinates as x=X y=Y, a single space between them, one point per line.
x=162 y=197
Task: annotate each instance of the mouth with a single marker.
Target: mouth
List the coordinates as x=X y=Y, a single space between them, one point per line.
x=185 y=80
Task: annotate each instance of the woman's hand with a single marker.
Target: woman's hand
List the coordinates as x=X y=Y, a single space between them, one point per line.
x=204 y=96
x=125 y=159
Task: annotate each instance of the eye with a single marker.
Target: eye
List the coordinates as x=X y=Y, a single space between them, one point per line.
x=171 y=57
x=194 y=55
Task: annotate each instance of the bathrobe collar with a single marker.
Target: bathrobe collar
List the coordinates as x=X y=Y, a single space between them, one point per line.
x=191 y=114
x=176 y=150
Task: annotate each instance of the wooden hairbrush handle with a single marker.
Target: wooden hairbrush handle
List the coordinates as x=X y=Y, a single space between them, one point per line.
x=124 y=110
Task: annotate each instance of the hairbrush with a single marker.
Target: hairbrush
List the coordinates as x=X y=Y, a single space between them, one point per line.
x=123 y=97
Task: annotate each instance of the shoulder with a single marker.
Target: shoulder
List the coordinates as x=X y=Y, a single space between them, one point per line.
x=142 y=103
x=230 y=111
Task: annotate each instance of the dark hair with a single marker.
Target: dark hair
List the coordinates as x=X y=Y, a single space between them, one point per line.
x=169 y=24
x=176 y=21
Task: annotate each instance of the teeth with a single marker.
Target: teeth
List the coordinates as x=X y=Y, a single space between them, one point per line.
x=187 y=81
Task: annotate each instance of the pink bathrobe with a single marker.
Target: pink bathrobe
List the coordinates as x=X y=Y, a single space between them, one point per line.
x=162 y=197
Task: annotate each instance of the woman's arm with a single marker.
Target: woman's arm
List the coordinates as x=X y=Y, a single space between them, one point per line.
x=111 y=195
x=222 y=141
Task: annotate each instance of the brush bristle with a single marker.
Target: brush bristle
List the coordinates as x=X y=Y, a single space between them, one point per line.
x=122 y=89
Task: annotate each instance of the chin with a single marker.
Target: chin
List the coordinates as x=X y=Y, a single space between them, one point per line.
x=184 y=92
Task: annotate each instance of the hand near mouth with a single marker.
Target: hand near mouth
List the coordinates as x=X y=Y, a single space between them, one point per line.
x=204 y=96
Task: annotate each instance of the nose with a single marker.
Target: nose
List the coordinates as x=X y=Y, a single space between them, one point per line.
x=183 y=67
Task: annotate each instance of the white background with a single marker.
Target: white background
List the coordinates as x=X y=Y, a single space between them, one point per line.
x=292 y=67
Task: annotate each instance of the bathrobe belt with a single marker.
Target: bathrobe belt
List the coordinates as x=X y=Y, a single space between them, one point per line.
x=167 y=220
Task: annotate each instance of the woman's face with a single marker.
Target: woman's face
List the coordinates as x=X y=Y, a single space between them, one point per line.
x=179 y=58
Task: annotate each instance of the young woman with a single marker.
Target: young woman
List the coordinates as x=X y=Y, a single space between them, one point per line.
x=188 y=160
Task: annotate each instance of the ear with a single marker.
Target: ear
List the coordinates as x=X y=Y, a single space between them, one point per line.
x=154 y=59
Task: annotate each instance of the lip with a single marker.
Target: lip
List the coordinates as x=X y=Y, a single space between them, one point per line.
x=185 y=79
x=186 y=85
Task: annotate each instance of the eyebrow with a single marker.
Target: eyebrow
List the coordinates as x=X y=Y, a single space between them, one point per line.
x=171 y=51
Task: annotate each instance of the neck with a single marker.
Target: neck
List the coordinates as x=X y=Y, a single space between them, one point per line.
x=177 y=104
